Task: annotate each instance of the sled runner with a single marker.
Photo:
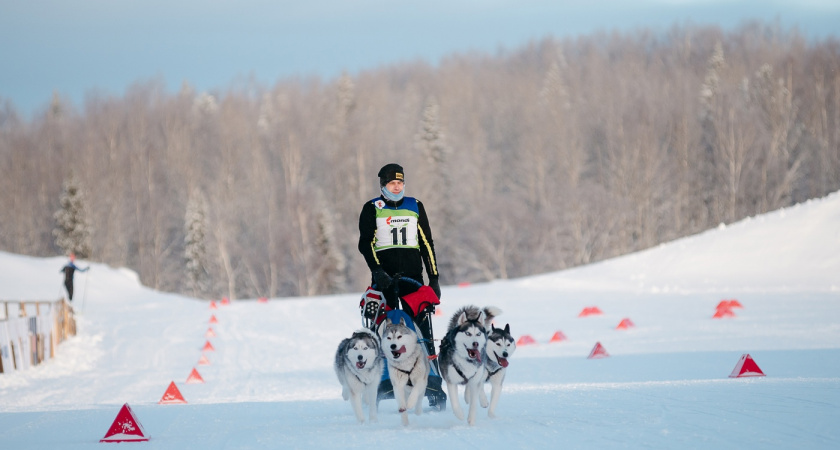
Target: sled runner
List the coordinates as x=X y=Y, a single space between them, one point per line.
x=413 y=296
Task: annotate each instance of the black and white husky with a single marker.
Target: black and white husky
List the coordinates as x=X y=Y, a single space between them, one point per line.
x=407 y=362
x=359 y=366
x=500 y=346
x=462 y=355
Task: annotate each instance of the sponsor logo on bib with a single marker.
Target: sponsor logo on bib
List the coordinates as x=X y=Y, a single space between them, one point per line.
x=397 y=220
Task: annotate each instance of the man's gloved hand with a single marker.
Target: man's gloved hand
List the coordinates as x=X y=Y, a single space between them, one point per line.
x=435 y=285
x=381 y=279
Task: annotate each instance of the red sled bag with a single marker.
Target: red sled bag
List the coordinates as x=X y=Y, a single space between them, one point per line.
x=421 y=300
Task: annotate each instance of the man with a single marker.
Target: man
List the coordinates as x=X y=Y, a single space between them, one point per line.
x=394 y=234
x=395 y=238
x=69 y=270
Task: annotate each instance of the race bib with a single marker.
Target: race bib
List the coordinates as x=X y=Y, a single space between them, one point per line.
x=396 y=231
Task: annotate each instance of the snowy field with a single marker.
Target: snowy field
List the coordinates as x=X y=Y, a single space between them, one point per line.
x=665 y=385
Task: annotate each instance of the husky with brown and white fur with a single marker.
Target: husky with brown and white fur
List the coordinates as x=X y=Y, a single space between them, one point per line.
x=359 y=365
x=462 y=355
x=500 y=346
x=407 y=362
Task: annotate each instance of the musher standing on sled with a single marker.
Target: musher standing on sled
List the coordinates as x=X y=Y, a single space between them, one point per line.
x=395 y=238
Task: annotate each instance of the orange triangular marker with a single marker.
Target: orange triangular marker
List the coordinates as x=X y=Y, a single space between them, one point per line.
x=126 y=428
x=203 y=361
x=213 y=319
x=194 y=377
x=598 y=352
x=723 y=312
x=746 y=367
x=262 y=300
x=526 y=340
x=225 y=301
x=210 y=333
x=438 y=312
x=172 y=395
x=208 y=347
x=558 y=337
x=625 y=324
x=590 y=311
x=729 y=304
x=213 y=304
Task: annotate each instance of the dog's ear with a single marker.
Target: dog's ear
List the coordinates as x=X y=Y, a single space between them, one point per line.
x=402 y=321
x=482 y=317
x=492 y=328
x=507 y=328
x=462 y=318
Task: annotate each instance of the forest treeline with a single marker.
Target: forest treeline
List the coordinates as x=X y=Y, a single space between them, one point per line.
x=557 y=154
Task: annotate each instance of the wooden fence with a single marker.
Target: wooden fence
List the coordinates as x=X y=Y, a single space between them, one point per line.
x=31 y=330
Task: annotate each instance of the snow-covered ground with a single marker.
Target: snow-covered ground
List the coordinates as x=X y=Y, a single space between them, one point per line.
x=666 y=385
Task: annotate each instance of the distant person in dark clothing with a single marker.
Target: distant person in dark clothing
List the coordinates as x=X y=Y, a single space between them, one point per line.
x=69 y=270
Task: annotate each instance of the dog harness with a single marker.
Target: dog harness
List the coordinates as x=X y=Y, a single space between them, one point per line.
x=490 y=374
x=451 y=340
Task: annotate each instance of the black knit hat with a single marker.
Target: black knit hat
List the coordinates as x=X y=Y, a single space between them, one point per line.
x=391 y=172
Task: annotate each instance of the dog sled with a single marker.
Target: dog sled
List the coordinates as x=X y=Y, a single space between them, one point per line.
x=416 y=304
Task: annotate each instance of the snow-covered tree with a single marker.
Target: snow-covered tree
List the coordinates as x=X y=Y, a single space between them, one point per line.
x=430 y=140
x=73 y=231
x=332 y=264
x=439 y=184
x=195 y=250
x=711 y=82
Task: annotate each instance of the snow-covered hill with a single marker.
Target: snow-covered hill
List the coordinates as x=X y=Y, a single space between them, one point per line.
x=270 y=383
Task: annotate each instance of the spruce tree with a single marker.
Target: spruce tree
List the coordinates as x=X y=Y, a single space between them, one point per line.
x=73 y=231
x=195 y=250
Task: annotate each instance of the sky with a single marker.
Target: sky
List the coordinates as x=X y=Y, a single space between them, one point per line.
x=270 y=383
x=102 y=47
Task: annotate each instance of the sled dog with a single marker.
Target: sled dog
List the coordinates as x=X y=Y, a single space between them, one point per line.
x=359 y=365
x=408 y=366
x=500 y=347
x=462 y=356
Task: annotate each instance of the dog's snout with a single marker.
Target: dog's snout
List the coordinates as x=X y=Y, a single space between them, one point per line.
x=475 y=344
x=361 y=357
x=504 y=355
x=393 y=346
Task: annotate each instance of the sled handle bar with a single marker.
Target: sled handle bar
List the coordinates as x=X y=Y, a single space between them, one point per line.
x=396 y=278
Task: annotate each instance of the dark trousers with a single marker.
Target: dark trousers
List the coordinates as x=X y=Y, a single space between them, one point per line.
x=68 y=284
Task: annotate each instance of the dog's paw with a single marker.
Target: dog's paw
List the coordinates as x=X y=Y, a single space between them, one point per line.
x=402 y=410
x=458 y=414
x=491 y=414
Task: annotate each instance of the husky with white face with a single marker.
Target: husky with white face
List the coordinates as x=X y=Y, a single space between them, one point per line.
x=500 y=347
x=407 y=362
x=462 y=355
x=358 y=366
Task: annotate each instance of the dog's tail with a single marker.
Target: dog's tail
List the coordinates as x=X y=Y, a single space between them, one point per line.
x=490 y=312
